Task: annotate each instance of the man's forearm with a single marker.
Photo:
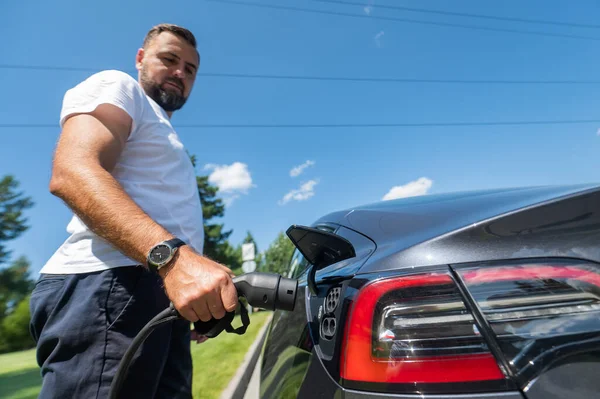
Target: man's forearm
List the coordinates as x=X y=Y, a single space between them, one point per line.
x=100 y=202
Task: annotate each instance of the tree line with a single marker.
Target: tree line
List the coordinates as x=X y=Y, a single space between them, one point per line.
x=17 y=280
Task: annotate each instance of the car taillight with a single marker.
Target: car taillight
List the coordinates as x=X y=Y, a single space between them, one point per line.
x=414 y=330
x=538 y=312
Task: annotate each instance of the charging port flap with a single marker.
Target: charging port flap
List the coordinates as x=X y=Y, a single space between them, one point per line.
x=320 y=248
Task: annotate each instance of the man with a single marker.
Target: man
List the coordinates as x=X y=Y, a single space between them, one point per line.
x=136 y=232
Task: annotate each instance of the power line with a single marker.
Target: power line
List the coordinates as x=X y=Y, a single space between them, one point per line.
x=346 y=125
x=460 y=14
x=360 y=125
x=326 y=78
x=406 y=20
x=48 y=68
x=397 y=80
x=55 y=68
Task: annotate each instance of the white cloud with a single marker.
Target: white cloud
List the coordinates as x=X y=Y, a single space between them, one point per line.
x=297 y=170
x=228 y=200
x=411 y=189
x=598 y=132
x=306 y=191
x=232 y=180
x=379 y=38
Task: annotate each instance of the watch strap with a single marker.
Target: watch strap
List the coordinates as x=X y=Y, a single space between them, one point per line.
x=175 y=242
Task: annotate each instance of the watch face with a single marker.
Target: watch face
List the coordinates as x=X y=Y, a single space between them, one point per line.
x=160 y=254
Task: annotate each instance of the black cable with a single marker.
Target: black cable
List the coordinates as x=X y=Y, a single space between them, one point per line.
x=462 y=14
x=166 y=316
x=322 y=78
x=406 y=20
x=345 y=125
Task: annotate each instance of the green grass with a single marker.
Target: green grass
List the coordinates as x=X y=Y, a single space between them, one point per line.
x=19 y=375
x=217 y=360
x=215 y=363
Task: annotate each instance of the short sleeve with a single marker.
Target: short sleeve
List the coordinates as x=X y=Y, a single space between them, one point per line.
x=106 y=87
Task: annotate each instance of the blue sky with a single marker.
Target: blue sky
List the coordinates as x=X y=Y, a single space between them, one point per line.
x=351 y=166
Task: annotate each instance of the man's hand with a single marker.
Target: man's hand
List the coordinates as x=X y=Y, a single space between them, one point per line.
x=194 y=336
x=199 y=288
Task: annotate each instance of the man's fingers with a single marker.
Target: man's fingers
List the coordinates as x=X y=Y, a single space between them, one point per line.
x=197 y=337
x=202 y=289
x=226 y=269
x=215 y=305
x=188 y=314
x=229 y=297
x=201 y=339
x=201 y=309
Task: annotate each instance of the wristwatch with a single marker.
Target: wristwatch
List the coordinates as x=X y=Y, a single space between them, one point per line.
x=161 y=254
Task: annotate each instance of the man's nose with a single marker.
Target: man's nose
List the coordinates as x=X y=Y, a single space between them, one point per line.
x=180 y=72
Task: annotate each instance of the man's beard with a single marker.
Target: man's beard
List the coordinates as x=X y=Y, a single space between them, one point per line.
x=168 y=100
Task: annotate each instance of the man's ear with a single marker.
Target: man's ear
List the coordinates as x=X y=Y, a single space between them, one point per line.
x=138 y=59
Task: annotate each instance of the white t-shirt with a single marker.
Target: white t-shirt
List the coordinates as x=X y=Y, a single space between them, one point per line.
x=154 y=169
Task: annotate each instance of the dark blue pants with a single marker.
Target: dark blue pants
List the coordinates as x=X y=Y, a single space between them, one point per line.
x=83 y=324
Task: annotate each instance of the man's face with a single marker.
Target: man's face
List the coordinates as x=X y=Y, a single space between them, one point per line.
x=167 y=70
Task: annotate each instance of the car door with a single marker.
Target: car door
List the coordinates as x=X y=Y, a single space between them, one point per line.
x=288 y=346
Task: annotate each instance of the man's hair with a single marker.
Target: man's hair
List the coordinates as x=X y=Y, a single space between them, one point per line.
x=176 y=30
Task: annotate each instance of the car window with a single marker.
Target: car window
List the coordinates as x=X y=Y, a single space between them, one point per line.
x=297 y=265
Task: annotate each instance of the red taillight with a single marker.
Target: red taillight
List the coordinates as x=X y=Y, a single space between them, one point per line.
x=414 y=329
x=538 y=312
x=530 y=272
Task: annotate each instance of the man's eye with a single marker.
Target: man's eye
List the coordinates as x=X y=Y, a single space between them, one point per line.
x=170 y=60
x=189 y=71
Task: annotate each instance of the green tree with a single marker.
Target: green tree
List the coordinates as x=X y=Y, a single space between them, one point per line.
x=215 y=237
x=279 y=254
x=14 y=329
x=216 y=246
x=233 y=258
x=12 y=221
x=15 y=284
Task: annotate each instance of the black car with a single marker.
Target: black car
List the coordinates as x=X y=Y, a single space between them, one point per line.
x=489 y=294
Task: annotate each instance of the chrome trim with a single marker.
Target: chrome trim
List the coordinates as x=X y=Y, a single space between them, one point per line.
x=427 y=321
x=522 y=315
x=537 y=300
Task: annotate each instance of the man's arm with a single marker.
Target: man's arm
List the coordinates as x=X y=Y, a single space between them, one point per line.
x=87 y=151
